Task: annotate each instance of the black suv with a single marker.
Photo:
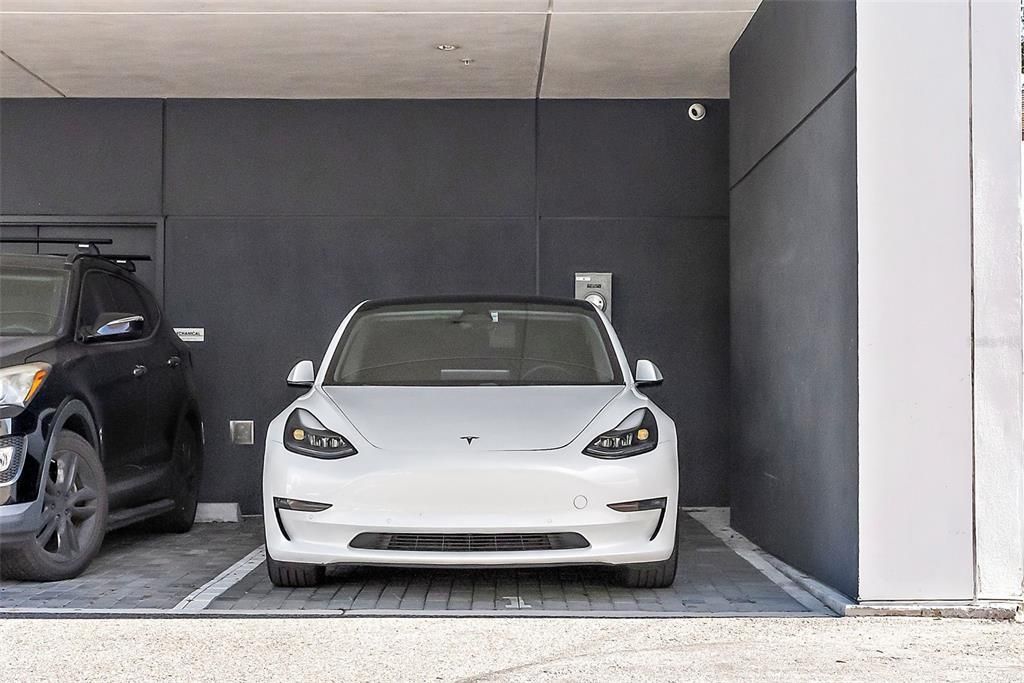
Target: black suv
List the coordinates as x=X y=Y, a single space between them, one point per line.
x=99 y=424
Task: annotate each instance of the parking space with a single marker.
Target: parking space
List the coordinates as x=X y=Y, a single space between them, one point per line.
x=137 y=569
x=217 y=569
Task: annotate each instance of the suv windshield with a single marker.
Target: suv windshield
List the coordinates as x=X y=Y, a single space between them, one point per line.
x=31 y=300
x=474 y=343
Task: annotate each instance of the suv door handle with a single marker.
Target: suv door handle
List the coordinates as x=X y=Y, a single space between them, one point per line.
x=173 y=362
x=139 y=370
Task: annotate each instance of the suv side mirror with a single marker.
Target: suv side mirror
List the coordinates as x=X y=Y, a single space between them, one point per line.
x=647 y=374
x=115 y=327
x=302 y=375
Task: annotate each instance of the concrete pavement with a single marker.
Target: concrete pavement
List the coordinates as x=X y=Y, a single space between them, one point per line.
x=503 y=649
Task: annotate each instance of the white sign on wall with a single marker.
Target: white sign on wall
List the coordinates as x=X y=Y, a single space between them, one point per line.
x=191 y=334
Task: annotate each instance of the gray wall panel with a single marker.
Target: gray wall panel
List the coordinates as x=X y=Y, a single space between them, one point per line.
x=632 y=158
x=793 y=289
x=670 y=304
x=99 y=157
x=271 y=291
x=349 y=157
x=791 y=55
x=281 y=215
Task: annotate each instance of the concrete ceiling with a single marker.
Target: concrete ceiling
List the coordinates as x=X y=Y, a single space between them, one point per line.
x=369 y=48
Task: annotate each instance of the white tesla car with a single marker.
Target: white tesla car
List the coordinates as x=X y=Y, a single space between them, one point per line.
x=474 y=432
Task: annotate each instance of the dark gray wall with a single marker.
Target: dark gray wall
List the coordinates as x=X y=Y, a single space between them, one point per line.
x=282 y=215
x=81 y=157
x=793 y=286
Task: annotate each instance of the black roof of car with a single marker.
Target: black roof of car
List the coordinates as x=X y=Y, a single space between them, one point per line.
x=82 y=248
x=116 y=262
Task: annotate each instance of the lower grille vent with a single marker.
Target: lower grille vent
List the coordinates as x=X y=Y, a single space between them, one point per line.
x=469 y=543
x=17 y=445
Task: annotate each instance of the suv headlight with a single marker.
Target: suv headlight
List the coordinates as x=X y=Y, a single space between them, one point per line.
x=304 y=434
x=20 y=383
x=637 y=434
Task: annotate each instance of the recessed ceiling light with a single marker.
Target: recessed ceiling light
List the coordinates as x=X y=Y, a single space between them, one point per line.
x=446 y=47
x=467 y=61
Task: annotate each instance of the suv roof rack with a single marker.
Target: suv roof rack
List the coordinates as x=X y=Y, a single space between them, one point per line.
x=84 y=247
x=126 y=261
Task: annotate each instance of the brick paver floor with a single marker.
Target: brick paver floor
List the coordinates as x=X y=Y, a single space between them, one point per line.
x=140 y=570
x=711 y=579
x=137 y=569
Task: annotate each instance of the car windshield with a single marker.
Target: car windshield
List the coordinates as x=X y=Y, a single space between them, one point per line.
x=31 y=300
x=472 y=344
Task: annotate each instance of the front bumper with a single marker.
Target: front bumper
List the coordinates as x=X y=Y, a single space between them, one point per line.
x=487 y=492
x=19 y=522
x=21 y=500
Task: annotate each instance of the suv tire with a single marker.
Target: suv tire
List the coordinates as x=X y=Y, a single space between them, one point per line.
x=74 y=517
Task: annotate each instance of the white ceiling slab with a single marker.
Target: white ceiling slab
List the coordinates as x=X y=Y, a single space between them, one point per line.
x=635 y=6
x=641 y=55
x=370 y=48
x=16 y=79
x=279 y=56
x=280 y=6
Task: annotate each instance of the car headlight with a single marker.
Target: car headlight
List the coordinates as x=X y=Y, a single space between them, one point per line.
x=20 y=383
x=637 y=434
x=304 y=434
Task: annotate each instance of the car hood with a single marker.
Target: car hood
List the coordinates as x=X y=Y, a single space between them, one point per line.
x=502 y=418
x=18 y=350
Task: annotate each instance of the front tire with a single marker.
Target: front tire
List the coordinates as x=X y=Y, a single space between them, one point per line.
x=650 y=574
x=74 y=517
x=295 y=574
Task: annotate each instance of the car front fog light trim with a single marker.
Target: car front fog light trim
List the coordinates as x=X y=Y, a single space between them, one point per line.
x=299 y=505
x=644 y=505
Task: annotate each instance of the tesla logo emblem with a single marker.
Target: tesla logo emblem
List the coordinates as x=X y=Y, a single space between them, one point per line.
x=469 y=439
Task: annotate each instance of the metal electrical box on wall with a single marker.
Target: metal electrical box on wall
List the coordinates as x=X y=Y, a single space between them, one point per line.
x=597 y=289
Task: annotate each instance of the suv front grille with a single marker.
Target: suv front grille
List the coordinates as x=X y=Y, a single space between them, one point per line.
x=8 y=475
x=469 y=543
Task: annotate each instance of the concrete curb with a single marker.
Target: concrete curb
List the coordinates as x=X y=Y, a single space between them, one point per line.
x=844 y=606
x=1003 y=611
x=716 y=519
x=169 y=613
x=218 y=512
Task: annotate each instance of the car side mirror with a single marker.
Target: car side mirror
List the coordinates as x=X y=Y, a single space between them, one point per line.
x=115 y=327
x=302 y=375
x=647 y=374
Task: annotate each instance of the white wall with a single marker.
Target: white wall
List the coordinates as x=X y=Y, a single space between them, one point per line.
x=941 y=511
x=998 y=462
x=914 y=290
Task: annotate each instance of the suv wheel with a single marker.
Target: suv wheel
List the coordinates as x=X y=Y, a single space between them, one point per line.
x=186 y=485
x=295 y=574
x=650 y=574
x=74 y=517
